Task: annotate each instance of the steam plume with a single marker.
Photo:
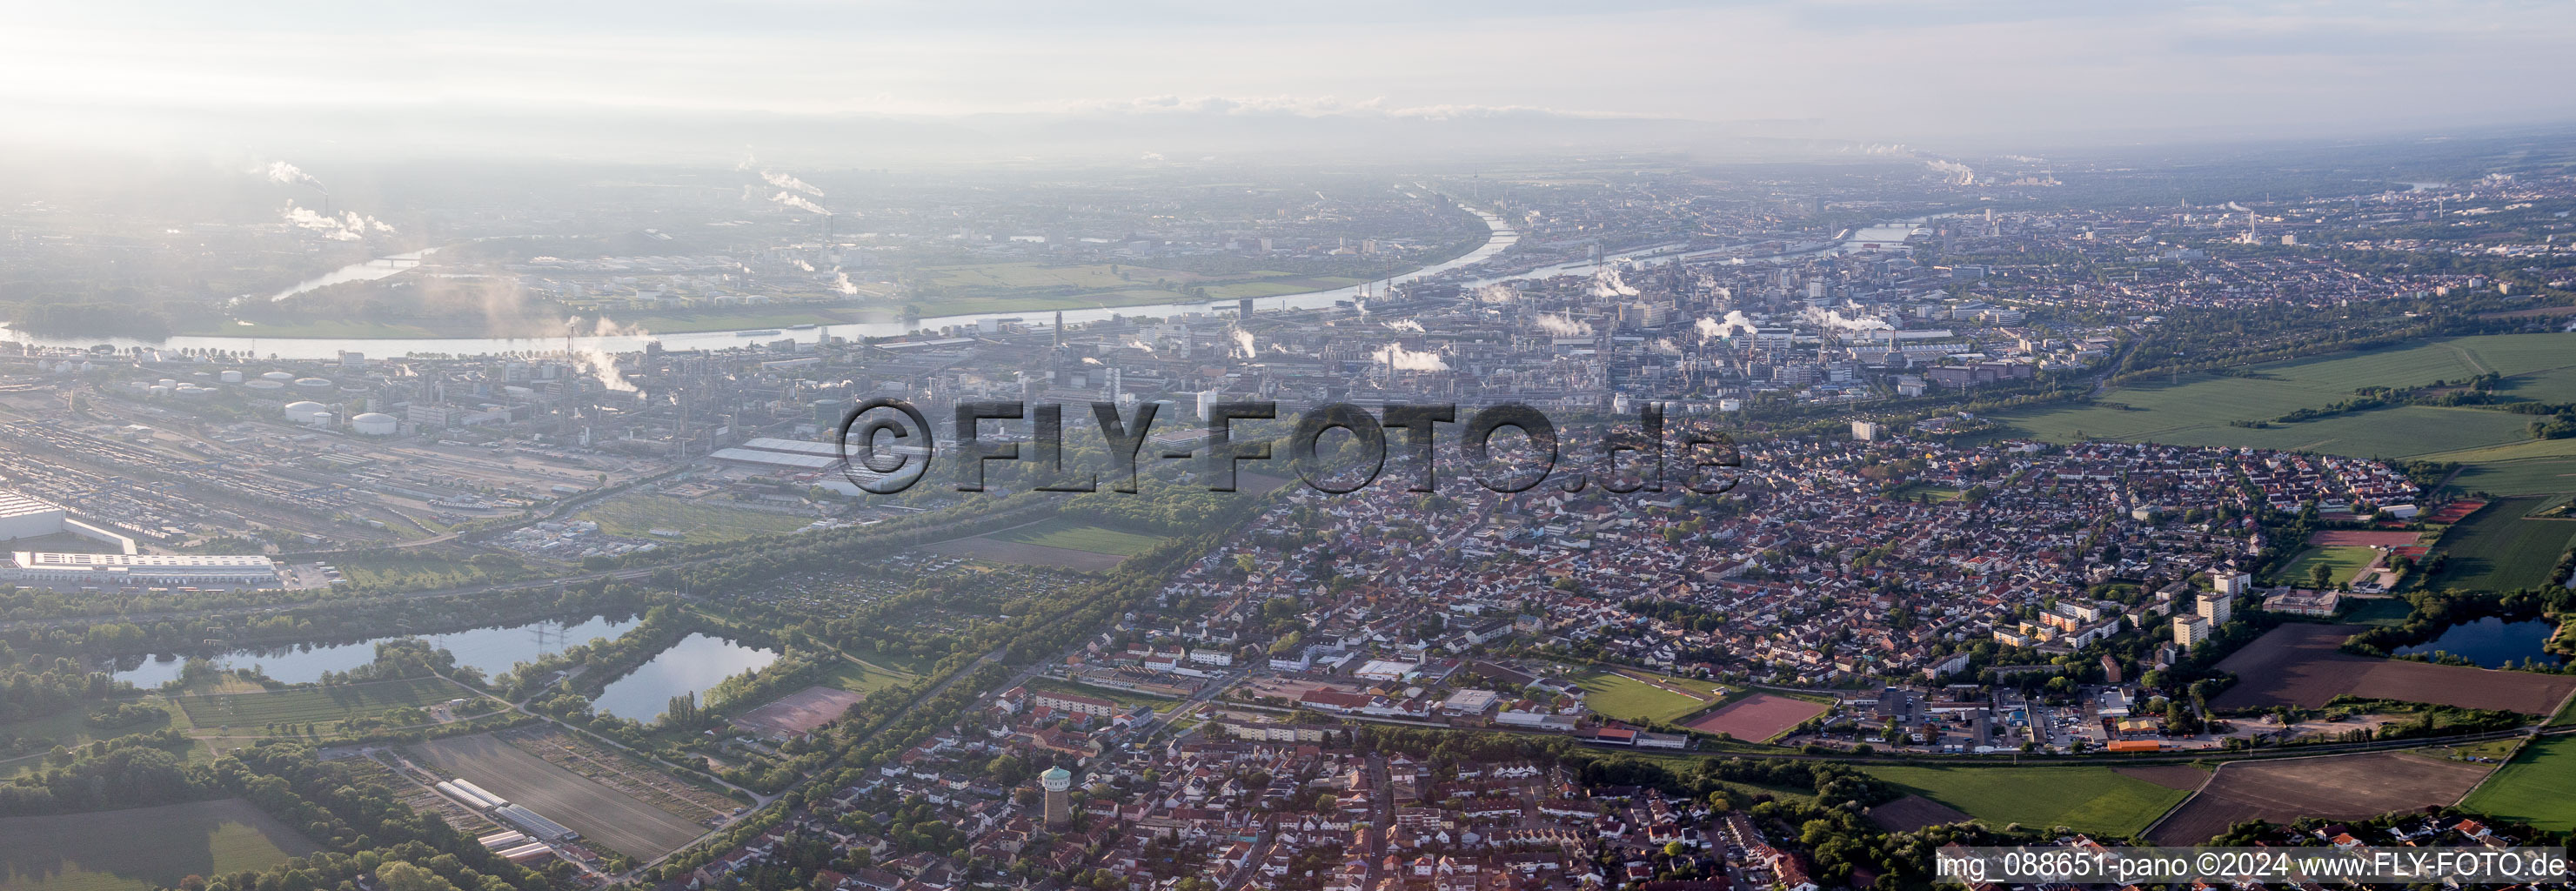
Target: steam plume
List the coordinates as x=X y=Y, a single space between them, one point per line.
x=286 y=174
x=1395 y=356
x=789 y=181
x=791 y=199
x=1562 y=326
x=1607 y=283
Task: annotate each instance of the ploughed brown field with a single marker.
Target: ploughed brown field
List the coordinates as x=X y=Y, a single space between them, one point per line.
x=1758 y=718
x=2298 y=664
x=1914 y=812
x=2340 y=787
x=802 y=711
x=599 y=813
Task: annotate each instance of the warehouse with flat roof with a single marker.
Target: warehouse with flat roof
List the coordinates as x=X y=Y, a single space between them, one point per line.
x=148 y=570
x=24 y=517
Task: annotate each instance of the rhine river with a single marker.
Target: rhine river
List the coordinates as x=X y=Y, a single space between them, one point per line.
x=1500 y=237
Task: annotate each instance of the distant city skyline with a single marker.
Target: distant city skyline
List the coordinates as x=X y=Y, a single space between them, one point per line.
x=1967 y=74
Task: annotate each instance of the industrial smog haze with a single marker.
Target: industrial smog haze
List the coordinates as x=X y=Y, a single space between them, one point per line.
x=882 y=445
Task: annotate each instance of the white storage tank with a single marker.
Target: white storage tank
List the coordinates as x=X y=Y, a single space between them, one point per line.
x=374 y=424
x=278 y=376
x=313 y=383
x=230 y=377
x=309 y=413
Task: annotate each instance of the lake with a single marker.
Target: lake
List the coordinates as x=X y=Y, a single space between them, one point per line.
x=492 y=649
x=694 y=665
x=2492 y=642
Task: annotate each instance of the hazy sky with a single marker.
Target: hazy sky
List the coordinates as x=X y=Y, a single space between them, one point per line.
x=1922 y=71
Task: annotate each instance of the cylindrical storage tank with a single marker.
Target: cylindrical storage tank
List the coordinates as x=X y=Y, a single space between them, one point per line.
x=230 y=377
x=264 y=385
x=374 y=424
x=168 y=382
x=308 y=413
x=278 y=376
x=313 y=383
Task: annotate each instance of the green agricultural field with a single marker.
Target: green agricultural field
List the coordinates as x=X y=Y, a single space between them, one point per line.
x=2376 y=611
x=1628 y=699
x=2522 y=468
x=2196 y=409
x=2089 y=799
x=72 y=729
x=867 y=677
x=321 y=704
x=2344 y=561
x=1075 y=535
x=2534 y=787
x=2498 y=550
x=698 y=522
x=142 y=848
x=409 y=568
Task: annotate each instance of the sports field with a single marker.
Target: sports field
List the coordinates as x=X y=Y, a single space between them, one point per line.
x=2534 y=787
x=801 y=711
x=1629 y=699
x=1073 y=534
x=333 y=703
x=2088 y=799
x=601 y=814
x=142 y=848
x=697 y=522
x=1760 y=717
x=2497 y=550
x=2341 y=561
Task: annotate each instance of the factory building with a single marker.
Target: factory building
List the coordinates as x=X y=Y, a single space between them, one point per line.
x=142 y=570
x=24 y=517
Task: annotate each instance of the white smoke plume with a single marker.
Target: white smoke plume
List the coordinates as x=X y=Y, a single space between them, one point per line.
x=1497 y=293
x=800 y=264
x=789 y=181
x=605 y=327
x=1087 y=360
x=791 y=199
x=1140 y=345
x=1395 y=356
x=1607 y=283
x=1405 y=325
x=1243 y=342
x=1712 y=329
x=1562 y=326
x=351 y=226
x=1835 y=320
x=1664 y=346
x=602 y=367
x=841 y=282
x=1955 y=173
x=286 y=174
